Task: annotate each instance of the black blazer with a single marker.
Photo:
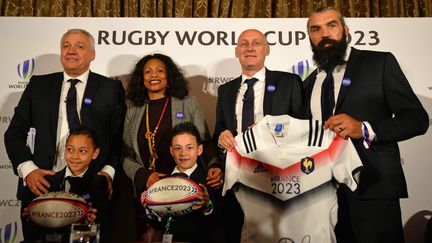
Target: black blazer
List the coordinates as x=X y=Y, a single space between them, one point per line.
x=195 y=227
x=375 y=90
x=103 y=111
x=286 y=98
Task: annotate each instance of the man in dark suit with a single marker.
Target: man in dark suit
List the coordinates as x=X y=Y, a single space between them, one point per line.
x=375 y=106
x=42 y=114
x=274 y=93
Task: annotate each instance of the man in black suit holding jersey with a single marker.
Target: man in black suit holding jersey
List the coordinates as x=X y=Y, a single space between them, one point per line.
x=364 y=95
x=245 y=100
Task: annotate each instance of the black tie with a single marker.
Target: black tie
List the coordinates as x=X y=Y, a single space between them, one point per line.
x=73 y=184
x=180 y=174
x=327 y=95
x=248 y=117
x=71 y=106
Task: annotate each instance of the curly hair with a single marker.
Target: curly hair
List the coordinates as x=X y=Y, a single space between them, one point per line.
x=176 y=82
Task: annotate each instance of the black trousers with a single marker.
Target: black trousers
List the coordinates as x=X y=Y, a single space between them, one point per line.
x=368 y=221
x=233 y=218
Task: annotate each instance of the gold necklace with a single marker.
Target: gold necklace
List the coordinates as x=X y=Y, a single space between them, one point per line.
x=150 y=136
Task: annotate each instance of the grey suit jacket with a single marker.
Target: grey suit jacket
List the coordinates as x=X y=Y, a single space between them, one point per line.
x=132 y=160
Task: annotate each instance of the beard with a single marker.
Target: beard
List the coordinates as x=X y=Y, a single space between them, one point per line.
x=328 y=57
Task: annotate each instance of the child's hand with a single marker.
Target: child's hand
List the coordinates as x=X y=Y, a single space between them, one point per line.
x=91 y=216
x=203 y=198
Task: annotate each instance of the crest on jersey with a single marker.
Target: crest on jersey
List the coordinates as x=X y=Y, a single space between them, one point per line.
x=307 y=165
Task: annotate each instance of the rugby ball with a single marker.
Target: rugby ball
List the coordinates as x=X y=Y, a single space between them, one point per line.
x=172 y=196
x=57 y=209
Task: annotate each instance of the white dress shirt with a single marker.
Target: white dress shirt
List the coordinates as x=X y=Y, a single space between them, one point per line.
x=259 y=90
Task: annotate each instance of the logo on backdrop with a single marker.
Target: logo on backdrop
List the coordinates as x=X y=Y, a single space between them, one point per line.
x=5 y=119
x=194 y=38
x=8 y=232
x=6 y=166
x=302 y=69
x=9 y=203
x=212 y=85
x=25 y=70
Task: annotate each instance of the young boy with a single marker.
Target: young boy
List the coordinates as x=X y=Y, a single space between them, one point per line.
x=186 y=148
x=80 y=178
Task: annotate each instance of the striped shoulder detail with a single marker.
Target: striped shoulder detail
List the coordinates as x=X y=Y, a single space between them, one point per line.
x=249 y=140
x=316 y=133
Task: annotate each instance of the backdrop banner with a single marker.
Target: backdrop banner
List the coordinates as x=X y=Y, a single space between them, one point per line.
x=204 y=48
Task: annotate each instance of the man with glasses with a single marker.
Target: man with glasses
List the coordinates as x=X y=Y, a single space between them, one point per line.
x=245 y=100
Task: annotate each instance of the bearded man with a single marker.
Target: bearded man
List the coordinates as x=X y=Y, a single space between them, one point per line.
x=365 y=96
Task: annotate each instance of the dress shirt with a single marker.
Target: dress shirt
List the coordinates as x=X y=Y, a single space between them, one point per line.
x=259 y=90
x=188 y=172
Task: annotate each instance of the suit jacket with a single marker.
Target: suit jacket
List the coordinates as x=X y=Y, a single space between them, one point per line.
x=286 y=98
x=132 y=160
x=38 y=108
x=376 y=90
x=195 y=227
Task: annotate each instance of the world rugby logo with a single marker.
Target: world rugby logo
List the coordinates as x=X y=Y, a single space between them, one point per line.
x=26 y=68
x=8 y=233
x=302 y=69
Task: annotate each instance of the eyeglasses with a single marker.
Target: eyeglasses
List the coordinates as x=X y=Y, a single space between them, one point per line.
x=254 y=44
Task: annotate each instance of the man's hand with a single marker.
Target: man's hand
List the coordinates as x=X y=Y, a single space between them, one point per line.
x=91 y=216
x=109 y=180
x=344 y=126
x=154 y=177
x=226 y=140
x=36 y=182
x=214 y=178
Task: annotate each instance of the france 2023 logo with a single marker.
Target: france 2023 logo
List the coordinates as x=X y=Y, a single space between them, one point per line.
x=302 y=69
x=8 y=233
x=26 y=68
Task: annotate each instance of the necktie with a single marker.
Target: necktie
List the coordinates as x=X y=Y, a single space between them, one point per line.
x=71 y=106
x=327 y=95
x=72 y=184
x=248 y=117
x=180 y=174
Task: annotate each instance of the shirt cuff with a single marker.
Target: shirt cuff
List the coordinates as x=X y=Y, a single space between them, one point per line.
x=372 y=134
x=25 y=168
x=368 y=134
x=109 y=170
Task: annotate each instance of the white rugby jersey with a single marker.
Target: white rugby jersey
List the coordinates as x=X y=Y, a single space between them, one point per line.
x=283 y=168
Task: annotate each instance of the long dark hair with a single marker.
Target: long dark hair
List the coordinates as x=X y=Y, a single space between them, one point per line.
x=176 y=82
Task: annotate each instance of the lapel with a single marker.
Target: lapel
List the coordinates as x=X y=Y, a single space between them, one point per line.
x=348 y=77
x=54 y=103
x=232 y=93
x=309 y=84
x=176 y=106
x=270 y=79
x=138 y=116
x=88 y=99
x=56 y=181
x=198 y=175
